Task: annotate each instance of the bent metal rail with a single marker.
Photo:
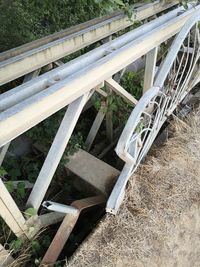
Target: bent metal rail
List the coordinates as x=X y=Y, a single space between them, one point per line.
x=179 y=73
x=74 y=83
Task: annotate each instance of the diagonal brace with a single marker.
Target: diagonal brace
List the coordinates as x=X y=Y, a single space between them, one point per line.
x=56 y=151
x=118 y=89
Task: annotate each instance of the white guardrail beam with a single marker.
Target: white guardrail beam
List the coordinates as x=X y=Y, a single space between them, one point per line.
x=29 y=57
x=22 y=92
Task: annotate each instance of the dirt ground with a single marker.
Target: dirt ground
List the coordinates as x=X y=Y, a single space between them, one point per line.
x=159 y=221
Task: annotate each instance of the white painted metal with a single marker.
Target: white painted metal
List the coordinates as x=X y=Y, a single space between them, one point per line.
x=173 y=83
x=11 y=213
x=109 y=116
x=31 y=60
x=150 y=69
x=101 y=92
x=95 y=126
x=61 y=208
x=118 y=89
x=5 y=148
x=31 y=75
x=3 y=151
x=28 y=113
x=56 y=151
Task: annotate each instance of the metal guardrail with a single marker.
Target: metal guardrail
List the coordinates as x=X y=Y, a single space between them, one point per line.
x=28 y=104
x=73 y=84
x=178 y=75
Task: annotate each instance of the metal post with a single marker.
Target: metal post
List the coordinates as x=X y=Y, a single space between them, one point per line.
x=150 y=69
x=95 y=127
x=56 y=151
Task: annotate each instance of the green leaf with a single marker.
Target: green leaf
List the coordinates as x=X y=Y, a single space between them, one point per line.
x=21 y=189
x=46 y=241
x=14 y=173
x=10 y=187
x=139 y=127
x=119 y=2
x=184 y=3
x=36 y=247
x=3 y=172
x=30 y=212
x=16 y=245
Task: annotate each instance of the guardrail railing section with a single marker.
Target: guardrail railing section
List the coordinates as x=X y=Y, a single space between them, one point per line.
x=178 y=74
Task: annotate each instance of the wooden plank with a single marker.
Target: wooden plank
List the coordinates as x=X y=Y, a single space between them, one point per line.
x=92 y=170
x=118 y=89
x=150 y=69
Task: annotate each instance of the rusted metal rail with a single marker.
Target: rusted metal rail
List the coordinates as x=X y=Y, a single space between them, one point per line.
x=67 y=226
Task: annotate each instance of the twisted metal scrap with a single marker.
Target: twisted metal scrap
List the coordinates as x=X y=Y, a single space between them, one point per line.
x=179 y=73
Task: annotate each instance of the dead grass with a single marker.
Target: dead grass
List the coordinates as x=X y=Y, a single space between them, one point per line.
x=158 y=223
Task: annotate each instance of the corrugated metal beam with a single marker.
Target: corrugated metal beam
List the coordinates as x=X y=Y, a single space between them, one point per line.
x=73 y=40
x=22 y=92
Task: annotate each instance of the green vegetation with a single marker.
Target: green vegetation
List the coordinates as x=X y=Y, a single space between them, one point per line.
x=23 y=21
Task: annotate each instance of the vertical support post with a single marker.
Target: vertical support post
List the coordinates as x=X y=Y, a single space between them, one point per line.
x=119 y=75
x=56 y=151
x=107 y=39
x=150 y=69
x=109 y=118
x=95 y=127
x=109 y=126
x=31 y=75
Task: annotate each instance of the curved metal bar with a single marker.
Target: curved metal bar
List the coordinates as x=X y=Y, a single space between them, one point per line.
x=177 y=76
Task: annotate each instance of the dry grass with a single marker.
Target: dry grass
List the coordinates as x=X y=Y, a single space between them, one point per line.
x=159 y=221
x=24 y=257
